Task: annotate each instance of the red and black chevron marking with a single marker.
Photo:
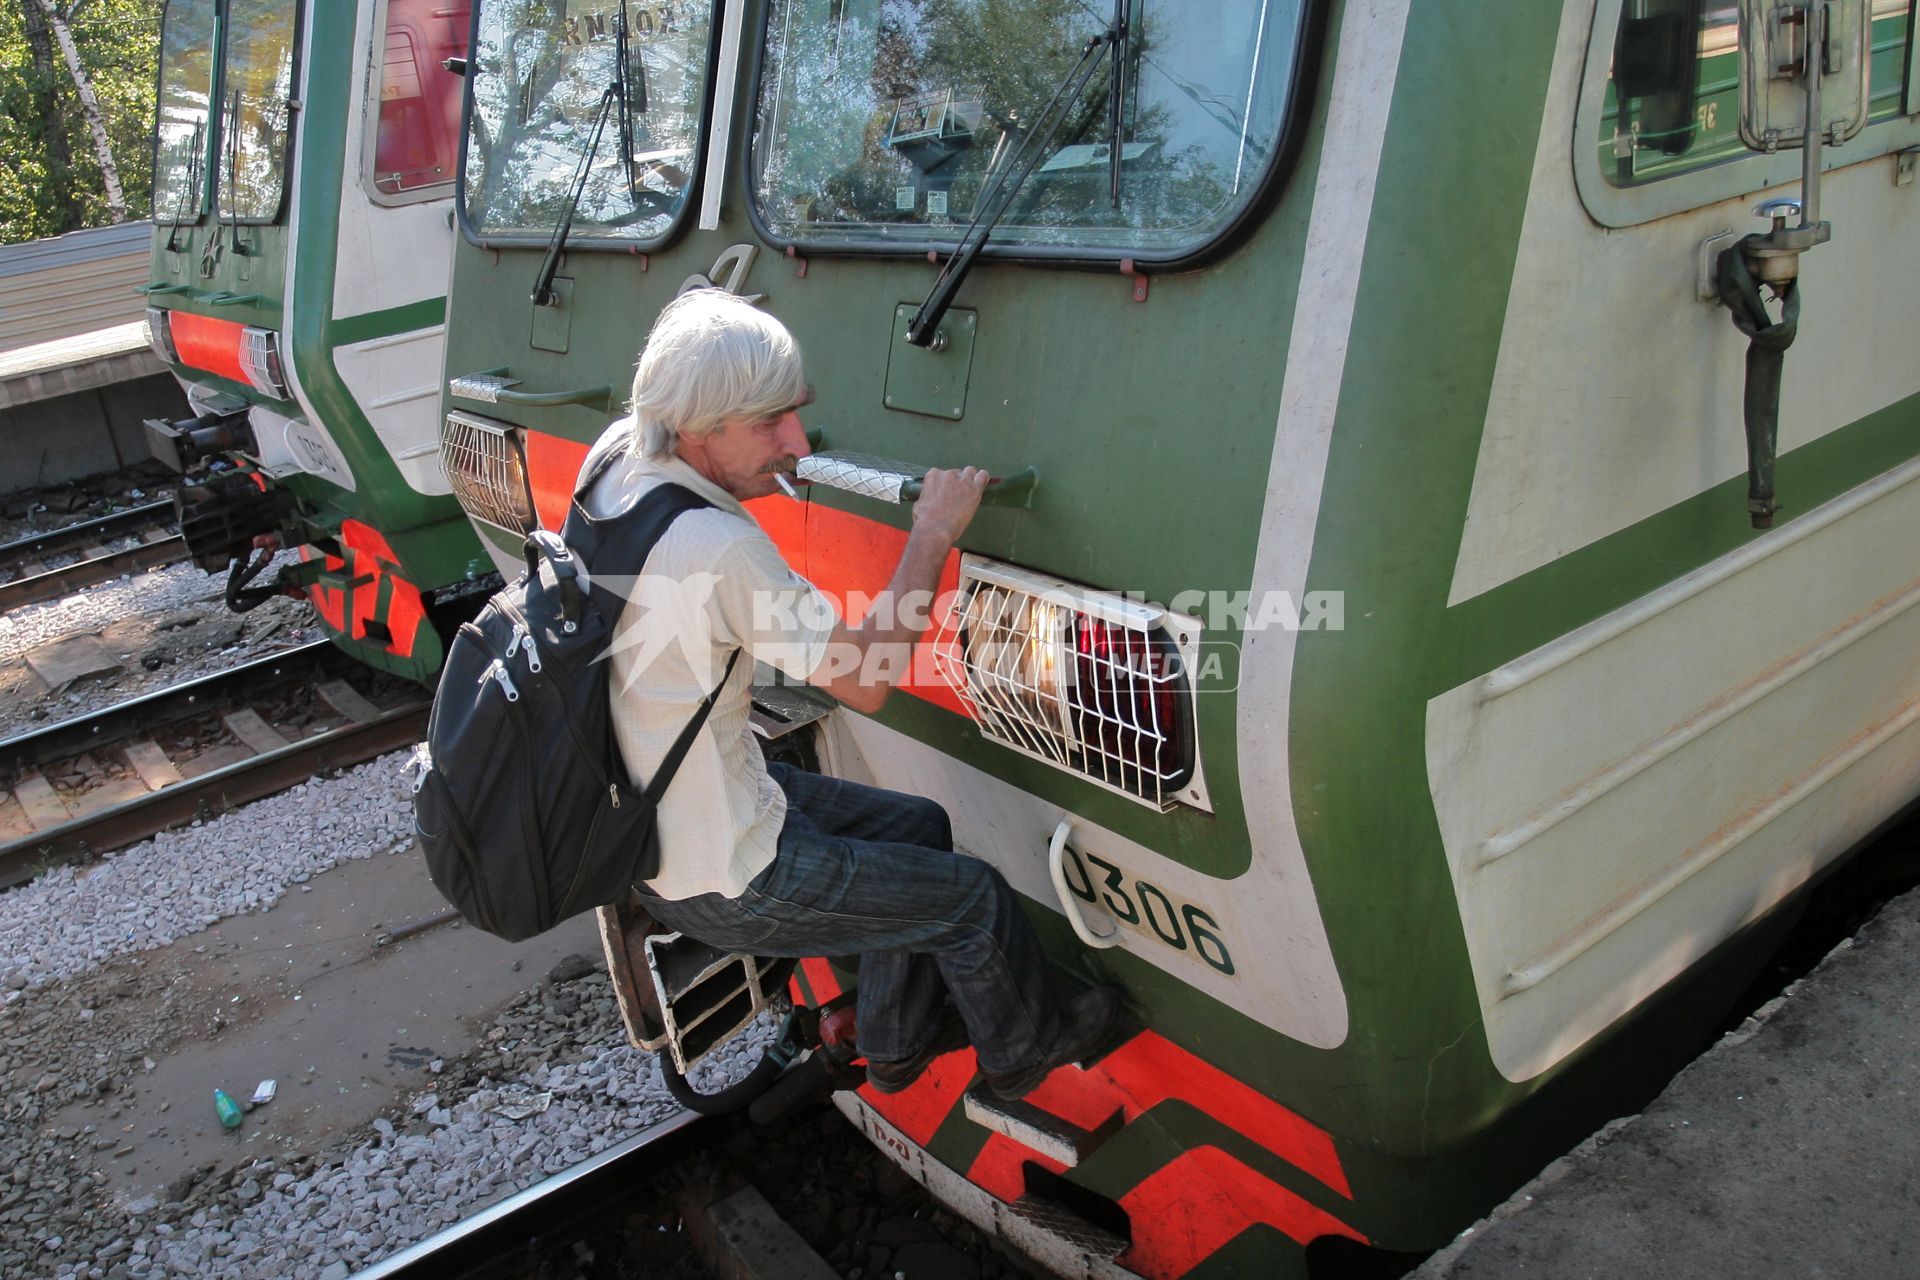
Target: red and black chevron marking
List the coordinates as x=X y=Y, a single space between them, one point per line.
x=1188 y=1208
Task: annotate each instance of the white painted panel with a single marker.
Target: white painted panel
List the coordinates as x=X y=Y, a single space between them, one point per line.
x=1620 y=801
x=1617 y=392
x=1365 y=67
x=289 y=446
x=390 y=255
x=396 y=382
x=1269 y=920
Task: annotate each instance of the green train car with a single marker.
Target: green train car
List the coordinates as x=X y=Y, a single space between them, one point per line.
x=303 y=173
x=1383 y=678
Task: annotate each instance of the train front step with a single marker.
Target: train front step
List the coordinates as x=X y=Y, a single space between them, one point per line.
x=1039 y=1131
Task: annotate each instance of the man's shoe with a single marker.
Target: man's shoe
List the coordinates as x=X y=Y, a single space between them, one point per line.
x=892 y=1077
x=1092 y=1017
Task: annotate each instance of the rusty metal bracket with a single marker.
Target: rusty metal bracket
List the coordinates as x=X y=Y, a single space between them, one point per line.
x=1127 y=268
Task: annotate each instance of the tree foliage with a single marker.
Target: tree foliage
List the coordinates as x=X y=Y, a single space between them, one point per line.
x=50 y=177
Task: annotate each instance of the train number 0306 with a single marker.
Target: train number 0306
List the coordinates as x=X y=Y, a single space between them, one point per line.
x=1144 y=905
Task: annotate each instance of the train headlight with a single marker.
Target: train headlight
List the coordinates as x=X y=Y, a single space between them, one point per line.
x=487 y=468
x=1087 y=681
x=160 y=334
x=260 y=358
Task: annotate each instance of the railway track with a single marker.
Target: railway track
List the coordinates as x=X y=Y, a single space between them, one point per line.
x=159 y=544
x=514 y=1237
x=103 y=781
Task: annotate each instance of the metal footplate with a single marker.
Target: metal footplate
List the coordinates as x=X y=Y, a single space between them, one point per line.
x=678 y=994
x=1039 y=1131
x=779 y=709
x=1062 y=1241
x=1068 y=1227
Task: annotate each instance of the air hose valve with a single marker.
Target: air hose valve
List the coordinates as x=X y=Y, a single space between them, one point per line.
x=1774 y=256
x=1770 y=258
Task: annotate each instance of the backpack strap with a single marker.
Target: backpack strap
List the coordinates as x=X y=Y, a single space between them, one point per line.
x=621 y=544
x=671 y=764
x=615 y=453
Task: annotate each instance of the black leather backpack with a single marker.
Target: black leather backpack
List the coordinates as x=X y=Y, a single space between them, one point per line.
x=522 y=803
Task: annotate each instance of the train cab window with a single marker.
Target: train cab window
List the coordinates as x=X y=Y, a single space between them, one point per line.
x=607 y=93
x=416 y=133
x=257 y=109
x=1673 y=89
x=184 y=134
x=885 y=122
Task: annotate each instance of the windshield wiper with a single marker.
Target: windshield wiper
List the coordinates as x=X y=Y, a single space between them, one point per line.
x=191 y=187
x=233 y=171
x=1117 y=92
x=998 y=195
x=631 y=80
x=543 y=295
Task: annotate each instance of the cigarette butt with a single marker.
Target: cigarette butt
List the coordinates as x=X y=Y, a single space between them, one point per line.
x=786 y=485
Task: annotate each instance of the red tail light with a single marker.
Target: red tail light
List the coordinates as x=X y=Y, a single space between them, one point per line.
x=1085 y=680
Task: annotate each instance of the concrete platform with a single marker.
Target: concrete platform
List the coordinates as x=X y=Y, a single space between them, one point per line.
x=82 y=363
x=73 y=408
x=1791 y=1149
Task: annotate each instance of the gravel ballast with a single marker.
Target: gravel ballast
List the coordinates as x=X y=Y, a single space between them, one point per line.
x=168 y=626
x=456 y=1148
x=69 y=920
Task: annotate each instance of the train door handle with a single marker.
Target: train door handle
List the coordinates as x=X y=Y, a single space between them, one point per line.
x=889 y=480
x=1057 y=869
x=495 y=386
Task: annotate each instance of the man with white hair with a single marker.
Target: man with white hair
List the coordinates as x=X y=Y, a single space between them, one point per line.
x=770 y=859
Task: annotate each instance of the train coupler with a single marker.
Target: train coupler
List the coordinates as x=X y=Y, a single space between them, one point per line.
x=818 y=1049
x=187 y=442
x=224 y=515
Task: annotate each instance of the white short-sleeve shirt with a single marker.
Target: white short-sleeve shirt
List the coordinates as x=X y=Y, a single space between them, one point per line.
x=714 y=582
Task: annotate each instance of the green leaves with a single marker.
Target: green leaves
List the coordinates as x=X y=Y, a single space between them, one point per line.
x=50 y=174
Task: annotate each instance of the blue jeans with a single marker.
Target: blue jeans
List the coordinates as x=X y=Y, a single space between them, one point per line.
x=873 y=873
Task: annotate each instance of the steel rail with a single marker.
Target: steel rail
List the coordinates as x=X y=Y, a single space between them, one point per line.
x=55 y=583
x=197 y=697
x=510 y=1238
x=115 y=524
x=116 y=826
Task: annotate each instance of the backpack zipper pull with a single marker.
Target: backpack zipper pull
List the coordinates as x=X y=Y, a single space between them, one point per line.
x=497 y=670
x=533 y=654
x=513 y=641
x=613 y=794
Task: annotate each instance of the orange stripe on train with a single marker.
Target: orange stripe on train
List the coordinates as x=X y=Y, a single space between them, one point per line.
x=1203 y=1198
x=373 y=574
x=848 y=557
x=1182 y=1212
x=206 y=343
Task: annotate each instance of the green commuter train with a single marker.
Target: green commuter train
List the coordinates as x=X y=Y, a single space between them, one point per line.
x=1414 y=657
x=303 y=177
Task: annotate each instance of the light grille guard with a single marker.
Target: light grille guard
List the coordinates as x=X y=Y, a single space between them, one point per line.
x=483 y=464
x=260 y=357
x=1086 y=681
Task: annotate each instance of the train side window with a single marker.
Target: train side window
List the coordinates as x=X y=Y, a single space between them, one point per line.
x=1672 y=102
x=542 y=114
x=256 y=109
x=883 y=123
x=415 y=140
x=183 y=139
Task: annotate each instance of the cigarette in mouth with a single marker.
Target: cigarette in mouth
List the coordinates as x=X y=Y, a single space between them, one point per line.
x=786 y=485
